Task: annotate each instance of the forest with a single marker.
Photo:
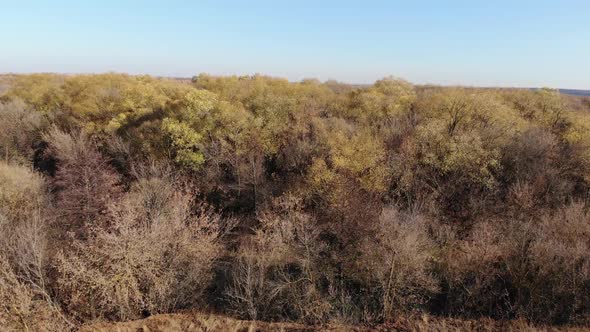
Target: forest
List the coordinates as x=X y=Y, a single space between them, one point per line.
x=256 y=198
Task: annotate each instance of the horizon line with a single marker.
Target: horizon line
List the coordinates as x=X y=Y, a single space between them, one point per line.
x=182 y=77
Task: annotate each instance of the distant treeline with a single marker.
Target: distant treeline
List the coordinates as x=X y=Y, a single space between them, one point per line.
x=585 y=93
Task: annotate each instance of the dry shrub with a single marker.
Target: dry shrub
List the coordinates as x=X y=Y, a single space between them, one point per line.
x=538 y=269
x=530 y=154
x=154 y=188
x=85 y=182
x=560 y=261
x=19 y=130
x=289 y=270
x=23 y=227
x=474 y=274
x=521 y=199
x=401 y=260
x=534 y=168
x=21 y=310
x=21 y=191
x=24 y=294
x=249 y=290
x=542 y=171
x=155 y=256
x=277 y=273
x=489 y=272
x=15 y=298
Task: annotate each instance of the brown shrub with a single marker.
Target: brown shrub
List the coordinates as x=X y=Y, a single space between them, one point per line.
x=20 y=310
x=23 y=225
x=535 y=169
x=538 y=270
x=289 y=270
x=155 y=256
x=85 y=182
x=401 y=259
x=15 y=298
x=21 y=191
x=19 y=130
x=560 y=265
x=474 y=272
x=277 y=272
x=24 y=284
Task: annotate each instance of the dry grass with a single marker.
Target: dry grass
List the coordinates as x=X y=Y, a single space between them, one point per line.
x=196 y=322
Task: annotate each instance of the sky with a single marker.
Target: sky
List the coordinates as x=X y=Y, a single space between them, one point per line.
x=518 y=43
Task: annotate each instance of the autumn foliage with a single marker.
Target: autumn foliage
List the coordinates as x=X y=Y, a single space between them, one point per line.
x=126 y=196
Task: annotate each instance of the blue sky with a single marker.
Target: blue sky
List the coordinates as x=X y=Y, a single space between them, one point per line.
x=485 y=43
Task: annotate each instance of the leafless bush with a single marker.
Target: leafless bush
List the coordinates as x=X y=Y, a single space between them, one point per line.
x=19 y=129
x=23 y=227
x=560 y=263
x=85 y=182
x=254 y=293
x=154 y=189
x=474 y=273
x=24 y=258
x=540 y=171
x=533 y=269
x=15 y=298
x=277 y=273
x=21 y=310
x=401 y=259
x=150 y=258
x=21 y=191
x=282 y=272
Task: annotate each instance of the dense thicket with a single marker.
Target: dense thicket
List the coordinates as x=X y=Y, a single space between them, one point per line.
x=125 y=196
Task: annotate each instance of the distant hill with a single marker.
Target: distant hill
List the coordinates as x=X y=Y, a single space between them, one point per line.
x=575 y=92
